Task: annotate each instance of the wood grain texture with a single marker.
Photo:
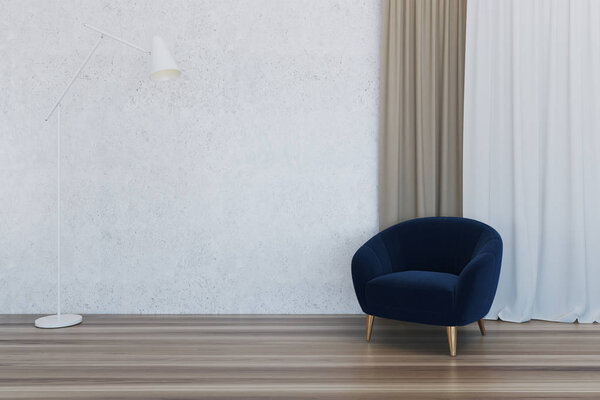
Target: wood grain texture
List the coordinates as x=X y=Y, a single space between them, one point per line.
x=280 y=357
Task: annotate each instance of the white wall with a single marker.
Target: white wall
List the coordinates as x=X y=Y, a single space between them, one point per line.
x=244 y=187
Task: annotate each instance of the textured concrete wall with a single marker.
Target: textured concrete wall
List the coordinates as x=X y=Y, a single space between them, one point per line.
x=243 y=187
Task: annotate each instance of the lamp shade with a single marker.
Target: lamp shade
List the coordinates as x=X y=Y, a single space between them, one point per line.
x=163 y=64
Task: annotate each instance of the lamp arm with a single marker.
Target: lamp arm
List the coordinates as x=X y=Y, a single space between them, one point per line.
x=74 y=77
x=102 y=35
x=118 y=39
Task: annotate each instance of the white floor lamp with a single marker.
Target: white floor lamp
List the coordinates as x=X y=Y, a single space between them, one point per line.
x=163 y=69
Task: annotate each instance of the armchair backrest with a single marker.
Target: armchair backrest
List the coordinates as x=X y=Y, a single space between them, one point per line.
x=440 y=244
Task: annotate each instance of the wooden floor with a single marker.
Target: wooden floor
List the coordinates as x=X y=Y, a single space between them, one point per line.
x=280 y=357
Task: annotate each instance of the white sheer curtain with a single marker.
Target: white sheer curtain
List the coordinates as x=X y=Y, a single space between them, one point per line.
x=532 y=151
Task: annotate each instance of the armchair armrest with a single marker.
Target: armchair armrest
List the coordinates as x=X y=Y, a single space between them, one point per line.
x=368 y=263
x=477 y=283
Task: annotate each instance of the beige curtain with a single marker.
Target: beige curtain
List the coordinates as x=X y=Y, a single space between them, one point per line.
x=421 y=107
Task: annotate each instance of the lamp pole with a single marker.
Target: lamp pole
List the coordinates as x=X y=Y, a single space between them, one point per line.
x=58 y=211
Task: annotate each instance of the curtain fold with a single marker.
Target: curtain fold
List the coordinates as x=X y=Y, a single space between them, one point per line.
x=421 y=108
x=532 y=151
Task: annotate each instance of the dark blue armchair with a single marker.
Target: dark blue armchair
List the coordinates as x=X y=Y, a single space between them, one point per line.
x=439 y=271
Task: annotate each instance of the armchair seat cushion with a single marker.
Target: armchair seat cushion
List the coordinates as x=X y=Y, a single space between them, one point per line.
x=417 y=296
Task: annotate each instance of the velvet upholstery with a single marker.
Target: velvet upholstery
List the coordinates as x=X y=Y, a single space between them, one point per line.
x=438 y=271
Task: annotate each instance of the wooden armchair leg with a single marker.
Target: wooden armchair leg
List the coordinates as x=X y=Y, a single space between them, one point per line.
x=370 y=319
x=451 y=332
x=481 y=327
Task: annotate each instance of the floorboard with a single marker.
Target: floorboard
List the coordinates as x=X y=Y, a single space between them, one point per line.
x=280 y=357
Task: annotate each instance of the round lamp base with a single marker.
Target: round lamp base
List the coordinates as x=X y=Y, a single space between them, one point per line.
x=58 y=321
